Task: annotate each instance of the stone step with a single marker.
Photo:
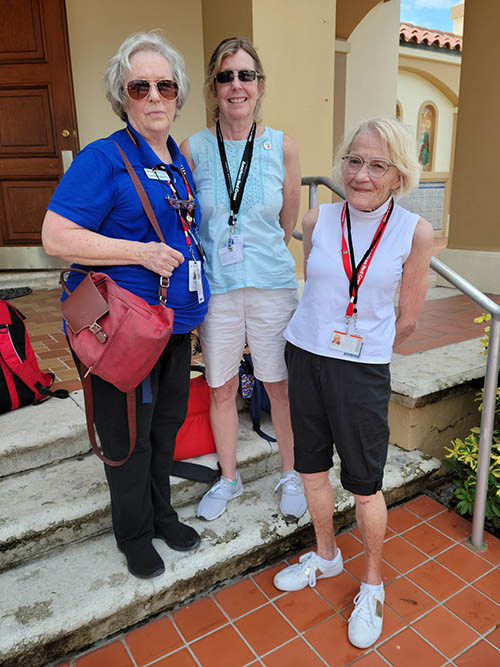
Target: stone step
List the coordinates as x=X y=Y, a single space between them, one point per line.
x=66 y=501
x=80 y=593
x=43 y=279
x=37 y=435
x=433 y=396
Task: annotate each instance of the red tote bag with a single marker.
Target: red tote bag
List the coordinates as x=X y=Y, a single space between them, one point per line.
x=195 y=436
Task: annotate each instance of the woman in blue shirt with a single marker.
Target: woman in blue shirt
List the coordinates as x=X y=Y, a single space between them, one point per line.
x=96 y=220
x=247 y=178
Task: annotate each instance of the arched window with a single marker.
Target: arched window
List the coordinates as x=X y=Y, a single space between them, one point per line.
x=399 y=111
x=426 y=135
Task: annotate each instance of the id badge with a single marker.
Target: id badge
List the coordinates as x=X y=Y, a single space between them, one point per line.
x=349 y=344
x=232 y=253
x=195 y=279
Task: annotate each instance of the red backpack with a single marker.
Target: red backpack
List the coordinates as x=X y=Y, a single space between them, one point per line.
x=21 y=380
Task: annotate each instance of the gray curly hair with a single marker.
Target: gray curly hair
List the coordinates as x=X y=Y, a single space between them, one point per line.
x=119 y=65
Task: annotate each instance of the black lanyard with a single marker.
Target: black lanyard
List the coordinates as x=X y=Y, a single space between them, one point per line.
x=359 y=270
x=236 y=193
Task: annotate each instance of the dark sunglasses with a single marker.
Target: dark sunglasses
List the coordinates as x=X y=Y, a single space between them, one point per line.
x=138 y=89
x=244 y=75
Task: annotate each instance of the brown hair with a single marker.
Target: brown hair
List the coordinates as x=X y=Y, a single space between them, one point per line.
x=229 y=47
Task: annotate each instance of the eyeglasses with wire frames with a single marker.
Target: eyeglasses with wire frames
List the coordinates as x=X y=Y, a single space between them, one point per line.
x=138 y=89
x=377 y=167
x=244 y=75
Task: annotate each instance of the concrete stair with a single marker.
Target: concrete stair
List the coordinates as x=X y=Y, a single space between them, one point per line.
x=65 y=585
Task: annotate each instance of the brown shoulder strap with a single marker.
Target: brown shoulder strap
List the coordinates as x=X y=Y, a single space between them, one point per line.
x=89 y=413
x=142 y=194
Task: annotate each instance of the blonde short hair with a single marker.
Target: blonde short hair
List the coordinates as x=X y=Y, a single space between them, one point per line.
x=228 y=47
x=399 y=143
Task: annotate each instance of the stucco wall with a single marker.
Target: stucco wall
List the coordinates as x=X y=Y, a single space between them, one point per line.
x=412 y=92
x=372 y=65
x=97 y=28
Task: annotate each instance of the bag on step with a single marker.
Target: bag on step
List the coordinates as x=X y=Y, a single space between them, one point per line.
x=253 y=391
x=21 y=380
x=195 y=437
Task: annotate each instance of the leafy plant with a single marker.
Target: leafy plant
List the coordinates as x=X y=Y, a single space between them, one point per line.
x=484 y=317
x=462 y=457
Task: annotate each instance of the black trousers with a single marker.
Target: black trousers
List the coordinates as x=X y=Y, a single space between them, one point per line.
x=140 y=488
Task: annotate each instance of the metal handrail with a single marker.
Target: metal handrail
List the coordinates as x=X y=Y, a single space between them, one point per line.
x=313 y=182
x=492 y=366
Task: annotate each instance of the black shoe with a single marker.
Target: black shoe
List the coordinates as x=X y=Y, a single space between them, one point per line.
x=143 y=561
x=179 y=536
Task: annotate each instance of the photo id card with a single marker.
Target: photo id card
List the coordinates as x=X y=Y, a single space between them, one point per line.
x=232 y=252
x=195 y=279
x=349 y=344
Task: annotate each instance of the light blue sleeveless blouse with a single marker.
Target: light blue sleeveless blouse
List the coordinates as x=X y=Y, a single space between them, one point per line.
x=267 y=262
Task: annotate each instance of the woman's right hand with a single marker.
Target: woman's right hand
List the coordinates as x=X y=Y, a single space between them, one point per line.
x=160 y=258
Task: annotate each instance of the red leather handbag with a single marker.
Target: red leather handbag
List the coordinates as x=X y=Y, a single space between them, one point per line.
x=115 y=334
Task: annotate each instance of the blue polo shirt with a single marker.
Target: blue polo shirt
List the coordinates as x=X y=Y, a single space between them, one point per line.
x=97 y=193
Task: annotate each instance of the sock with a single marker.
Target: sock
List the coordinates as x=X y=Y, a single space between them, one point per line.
x=378 y=588
x=328 y=563
x=231 y=481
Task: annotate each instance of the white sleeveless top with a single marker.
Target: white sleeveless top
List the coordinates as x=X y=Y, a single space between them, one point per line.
x=321 y=310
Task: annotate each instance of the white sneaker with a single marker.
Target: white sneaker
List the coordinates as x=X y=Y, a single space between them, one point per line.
x=214 y=502
x=293 y=503
x=307 y=571
x=365 y=624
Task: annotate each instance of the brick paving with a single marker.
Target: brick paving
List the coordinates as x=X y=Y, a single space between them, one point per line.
x=442 y=608
x=43 y=322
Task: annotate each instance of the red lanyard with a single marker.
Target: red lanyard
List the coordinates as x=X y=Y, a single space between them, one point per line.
x=178 y=203
x=357 y=275
x=185 y=222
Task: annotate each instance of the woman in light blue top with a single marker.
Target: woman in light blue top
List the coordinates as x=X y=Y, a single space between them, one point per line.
x=247 y=179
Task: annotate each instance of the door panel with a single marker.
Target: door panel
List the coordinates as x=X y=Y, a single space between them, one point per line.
x=20 y=31
x=37 y=116
x=23 y=201
x=25 y=121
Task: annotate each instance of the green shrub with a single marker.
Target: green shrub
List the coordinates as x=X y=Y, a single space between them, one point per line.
x=462 y=456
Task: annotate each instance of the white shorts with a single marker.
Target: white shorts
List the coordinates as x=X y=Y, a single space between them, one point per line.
x=247 y=315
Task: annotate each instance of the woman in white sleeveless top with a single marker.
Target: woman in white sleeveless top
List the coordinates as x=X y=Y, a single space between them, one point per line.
x=340 y=343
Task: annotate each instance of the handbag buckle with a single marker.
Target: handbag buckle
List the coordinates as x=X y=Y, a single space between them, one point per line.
x=98 y=332
x=162 y=290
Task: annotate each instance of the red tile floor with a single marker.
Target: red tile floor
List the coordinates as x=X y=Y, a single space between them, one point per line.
x=442 y=608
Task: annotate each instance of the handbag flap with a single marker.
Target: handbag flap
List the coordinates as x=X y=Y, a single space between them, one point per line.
x=84 y=306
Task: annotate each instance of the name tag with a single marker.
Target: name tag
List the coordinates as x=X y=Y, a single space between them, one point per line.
x=156 y=175
x=232 y=253
x=195 y=280
x=350 y=345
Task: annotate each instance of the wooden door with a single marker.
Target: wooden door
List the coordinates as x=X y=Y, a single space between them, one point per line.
x=37 y=116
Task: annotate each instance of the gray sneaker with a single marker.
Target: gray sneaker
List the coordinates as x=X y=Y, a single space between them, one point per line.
x=293 y=503
x=214 y=502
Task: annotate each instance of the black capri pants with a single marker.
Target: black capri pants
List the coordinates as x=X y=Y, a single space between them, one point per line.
x=140 y=488
x=341 y=402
